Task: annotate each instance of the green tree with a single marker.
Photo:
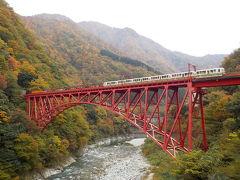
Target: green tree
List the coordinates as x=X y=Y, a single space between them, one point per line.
x=234 y=105
x=13 y=90
x=27 y=150
x=216 y=111
x=232 y=62
x=25 y=78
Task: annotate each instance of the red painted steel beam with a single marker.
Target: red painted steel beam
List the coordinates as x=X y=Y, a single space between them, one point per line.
x=217 y=81
x=140 y=104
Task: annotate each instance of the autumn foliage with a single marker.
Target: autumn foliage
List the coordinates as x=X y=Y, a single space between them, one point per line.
x=61 y=60
x=222 y=160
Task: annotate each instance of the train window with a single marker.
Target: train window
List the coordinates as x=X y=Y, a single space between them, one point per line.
x=154 y=77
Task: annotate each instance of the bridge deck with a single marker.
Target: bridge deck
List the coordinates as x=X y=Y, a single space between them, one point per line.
x=156 y=108
x=199 y=82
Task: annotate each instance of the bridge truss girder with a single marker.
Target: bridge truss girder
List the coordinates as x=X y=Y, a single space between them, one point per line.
x=173 y=122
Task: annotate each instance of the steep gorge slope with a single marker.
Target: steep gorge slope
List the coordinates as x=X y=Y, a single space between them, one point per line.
x=66 y=40
x=146 y=50
x=62 y=59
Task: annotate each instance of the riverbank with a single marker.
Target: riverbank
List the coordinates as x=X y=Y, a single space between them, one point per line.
x=47 y=172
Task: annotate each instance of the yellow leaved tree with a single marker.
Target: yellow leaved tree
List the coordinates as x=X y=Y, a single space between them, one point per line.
x=39 y=83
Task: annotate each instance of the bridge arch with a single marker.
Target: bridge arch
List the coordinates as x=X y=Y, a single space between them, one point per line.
x=59 y=109
x=147 y=107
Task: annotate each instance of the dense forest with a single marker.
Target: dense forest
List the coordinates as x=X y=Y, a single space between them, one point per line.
x=127 y=60
x=71 y=46
x=222 y=160
x=59 y=59
x=48 y=52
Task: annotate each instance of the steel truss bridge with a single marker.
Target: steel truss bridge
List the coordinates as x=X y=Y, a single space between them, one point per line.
x=169 y=112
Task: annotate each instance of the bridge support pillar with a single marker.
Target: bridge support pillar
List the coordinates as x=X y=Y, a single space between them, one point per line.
x=171 y=114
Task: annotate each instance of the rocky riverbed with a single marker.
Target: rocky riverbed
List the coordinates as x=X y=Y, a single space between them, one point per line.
x=120 y=161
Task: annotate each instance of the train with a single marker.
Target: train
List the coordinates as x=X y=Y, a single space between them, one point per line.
x=194 y=74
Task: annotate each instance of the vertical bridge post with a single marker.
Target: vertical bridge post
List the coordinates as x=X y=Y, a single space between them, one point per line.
x=157 y=109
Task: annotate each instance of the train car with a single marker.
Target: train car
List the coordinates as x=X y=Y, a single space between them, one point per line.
x=194 y=74
x=210 y=72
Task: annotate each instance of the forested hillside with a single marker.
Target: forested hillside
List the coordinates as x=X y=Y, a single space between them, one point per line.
x=66 y=41
x=142 y=48
x=222 y=160
x=48 y=52
x=58 y=58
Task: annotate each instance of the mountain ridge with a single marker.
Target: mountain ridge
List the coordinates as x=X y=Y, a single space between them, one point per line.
x=67 y=42
x=128 y=43
x=147 y=50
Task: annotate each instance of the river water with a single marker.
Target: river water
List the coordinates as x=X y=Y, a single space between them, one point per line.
x=122 y=161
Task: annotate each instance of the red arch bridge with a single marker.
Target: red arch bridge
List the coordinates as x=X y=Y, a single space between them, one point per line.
x=169 y=112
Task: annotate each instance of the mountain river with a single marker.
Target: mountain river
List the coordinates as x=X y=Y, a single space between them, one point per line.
x=122 y=161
